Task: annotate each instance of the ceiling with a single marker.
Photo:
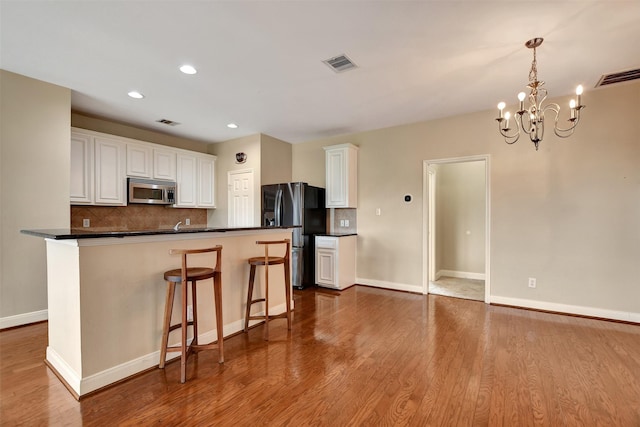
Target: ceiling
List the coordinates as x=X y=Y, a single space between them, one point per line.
x=260 y=62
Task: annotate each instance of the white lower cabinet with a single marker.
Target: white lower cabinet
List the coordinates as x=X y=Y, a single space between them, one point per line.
x=336 y=261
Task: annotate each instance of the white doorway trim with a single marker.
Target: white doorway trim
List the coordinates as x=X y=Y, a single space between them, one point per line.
x=426 y=208
x=431 y=223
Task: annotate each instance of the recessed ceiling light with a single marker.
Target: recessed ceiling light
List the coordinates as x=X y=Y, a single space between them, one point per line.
x=135 y=94
x=188 y=69
x=232 y=126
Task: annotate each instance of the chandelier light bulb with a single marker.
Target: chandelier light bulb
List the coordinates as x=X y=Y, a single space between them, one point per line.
x=501 y=106
x=572 y=106
x=521 y=96
x=579 y=90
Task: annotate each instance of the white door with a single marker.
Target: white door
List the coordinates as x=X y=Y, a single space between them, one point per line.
x=241 y=194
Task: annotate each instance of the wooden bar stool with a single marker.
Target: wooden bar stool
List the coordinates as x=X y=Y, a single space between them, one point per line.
x=182 y=276
x=266 y=261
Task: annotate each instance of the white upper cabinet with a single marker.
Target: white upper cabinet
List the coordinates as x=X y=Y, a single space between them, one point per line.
x=101 y=163
x=206 y=182
x=164 y=164
x=81 y=169
x=110 y=177
x=139 y=160
x=144 y=160
x=196 y=181
x=341 y=176
x=187 y=181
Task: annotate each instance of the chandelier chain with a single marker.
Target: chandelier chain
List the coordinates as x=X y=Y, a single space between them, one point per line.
x=533 y=73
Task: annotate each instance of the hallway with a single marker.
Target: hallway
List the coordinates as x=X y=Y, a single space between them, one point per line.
x=458 y=288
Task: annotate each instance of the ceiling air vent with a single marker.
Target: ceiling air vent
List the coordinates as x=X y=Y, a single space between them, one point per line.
x=340 y=63
x=624 y=76
x=168 y=122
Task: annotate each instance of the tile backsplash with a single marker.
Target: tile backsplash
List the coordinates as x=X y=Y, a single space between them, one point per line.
x=136 y=217
x=335 y=216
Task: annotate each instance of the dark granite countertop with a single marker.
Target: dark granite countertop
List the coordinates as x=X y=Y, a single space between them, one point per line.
x=82 y=233
x=337 y=234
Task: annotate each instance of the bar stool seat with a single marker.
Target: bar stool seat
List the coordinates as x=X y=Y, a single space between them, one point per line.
x=267 y=261
x=182 y=276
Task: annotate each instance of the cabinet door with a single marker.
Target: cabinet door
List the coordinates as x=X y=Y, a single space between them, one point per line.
x=81 y=186
x=326 y=267
x=336 y=193
x=206 y=182
x=138 y=160
x=164 y=164
x=110 y=182
x=186 y=174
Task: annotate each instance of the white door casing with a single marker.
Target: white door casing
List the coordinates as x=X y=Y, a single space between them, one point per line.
x=425 y=220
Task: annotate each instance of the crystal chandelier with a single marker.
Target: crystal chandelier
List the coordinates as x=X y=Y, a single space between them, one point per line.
x=531 y=119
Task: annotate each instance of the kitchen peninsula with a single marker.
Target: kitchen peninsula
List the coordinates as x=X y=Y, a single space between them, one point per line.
x=106 y=295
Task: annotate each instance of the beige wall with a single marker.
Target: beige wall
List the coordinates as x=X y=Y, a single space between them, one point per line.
x=226 y=152
x=568 y=214
x=460 y=217
x=268 y=157
x=34 y=177
x=276 y=160
x=97 y=124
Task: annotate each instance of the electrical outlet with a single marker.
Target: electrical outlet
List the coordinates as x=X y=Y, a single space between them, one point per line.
x=532 y=282
x=86 y=222
x=346 y=222
x=189 y=313
x=187 y=221
x=342 y=223
x=378 y=212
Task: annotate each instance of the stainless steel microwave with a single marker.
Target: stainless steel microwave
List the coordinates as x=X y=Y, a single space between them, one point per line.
x=151 y=192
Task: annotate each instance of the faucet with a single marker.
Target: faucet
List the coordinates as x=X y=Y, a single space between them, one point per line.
x=177 y=226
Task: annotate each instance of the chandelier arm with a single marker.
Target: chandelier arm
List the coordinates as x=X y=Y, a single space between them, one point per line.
x=561 y=132
x=566 y=132
x=525 y=129
x=509 y=139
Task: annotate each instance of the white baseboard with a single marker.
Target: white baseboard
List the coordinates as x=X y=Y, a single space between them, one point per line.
x=389 y=285
x=460 y=274
x=23 y=319
x=568 y=309
x=102 y=379
x=71 y=377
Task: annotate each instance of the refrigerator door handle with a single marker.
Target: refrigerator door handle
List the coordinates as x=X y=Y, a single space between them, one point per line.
x=278 y=208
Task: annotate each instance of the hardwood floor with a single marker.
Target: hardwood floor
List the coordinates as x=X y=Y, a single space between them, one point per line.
x=361 y=357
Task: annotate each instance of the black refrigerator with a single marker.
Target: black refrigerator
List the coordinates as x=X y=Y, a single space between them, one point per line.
x=297 y=204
